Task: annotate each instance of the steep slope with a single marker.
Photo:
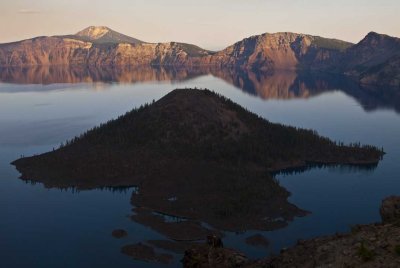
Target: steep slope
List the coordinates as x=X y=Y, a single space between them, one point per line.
x=373 y=50
x=375 y=60
x=284 y=51
x=387 y=73
x=44 y=51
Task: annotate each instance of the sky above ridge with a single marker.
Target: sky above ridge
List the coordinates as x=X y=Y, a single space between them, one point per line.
x=212 y=24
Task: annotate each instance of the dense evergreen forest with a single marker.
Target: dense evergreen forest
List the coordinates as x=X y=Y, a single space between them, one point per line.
x=208 y=154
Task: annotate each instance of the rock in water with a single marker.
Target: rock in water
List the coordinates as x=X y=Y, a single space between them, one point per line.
x=119 y=233
x=145 y=253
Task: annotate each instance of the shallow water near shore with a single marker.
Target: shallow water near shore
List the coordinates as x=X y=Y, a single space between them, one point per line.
x=66 y=228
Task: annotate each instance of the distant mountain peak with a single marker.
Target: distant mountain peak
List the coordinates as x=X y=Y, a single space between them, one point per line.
x=372 y=33
x=94 y=32
x=375 y=35
x=103 y=34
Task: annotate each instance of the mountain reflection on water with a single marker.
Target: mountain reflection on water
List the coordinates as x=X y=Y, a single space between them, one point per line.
x=280 y=85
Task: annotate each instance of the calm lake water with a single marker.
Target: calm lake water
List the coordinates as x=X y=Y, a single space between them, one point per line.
x=63 y=228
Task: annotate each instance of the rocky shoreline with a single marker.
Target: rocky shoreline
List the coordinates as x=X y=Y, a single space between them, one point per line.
x=373 y=245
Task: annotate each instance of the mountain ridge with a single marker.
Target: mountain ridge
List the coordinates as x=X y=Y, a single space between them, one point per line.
x=370 y=60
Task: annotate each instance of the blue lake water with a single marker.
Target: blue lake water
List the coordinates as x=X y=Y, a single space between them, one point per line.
x=42 y=227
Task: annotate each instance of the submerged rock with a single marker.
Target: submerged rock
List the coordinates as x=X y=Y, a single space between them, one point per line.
x=119 y=233
x=257 y=240
x=145 y=253
x=178 y=247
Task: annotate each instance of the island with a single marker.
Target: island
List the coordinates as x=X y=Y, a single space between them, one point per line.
x=199 y=164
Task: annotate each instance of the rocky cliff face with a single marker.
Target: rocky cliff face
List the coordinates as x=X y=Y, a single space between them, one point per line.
x=98 y=46
x=374 y=60
x=284 y=51
x=102 y=46
x=44 y=51
x=67 y=51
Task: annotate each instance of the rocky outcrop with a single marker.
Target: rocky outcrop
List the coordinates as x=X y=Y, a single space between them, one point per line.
x=390 y=210
x=213 y=254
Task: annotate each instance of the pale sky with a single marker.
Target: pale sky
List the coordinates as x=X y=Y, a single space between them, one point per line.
x=212 y=24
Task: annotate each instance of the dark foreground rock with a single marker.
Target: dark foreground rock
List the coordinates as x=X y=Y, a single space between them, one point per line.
x=374 y=245
x=213 y=254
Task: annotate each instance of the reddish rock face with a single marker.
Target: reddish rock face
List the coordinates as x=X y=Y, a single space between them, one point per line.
x=66 y=51
x=102 y=46
x=374 y=60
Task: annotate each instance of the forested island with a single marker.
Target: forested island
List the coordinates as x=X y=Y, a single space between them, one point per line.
x=187 y=125
x=197 y=157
